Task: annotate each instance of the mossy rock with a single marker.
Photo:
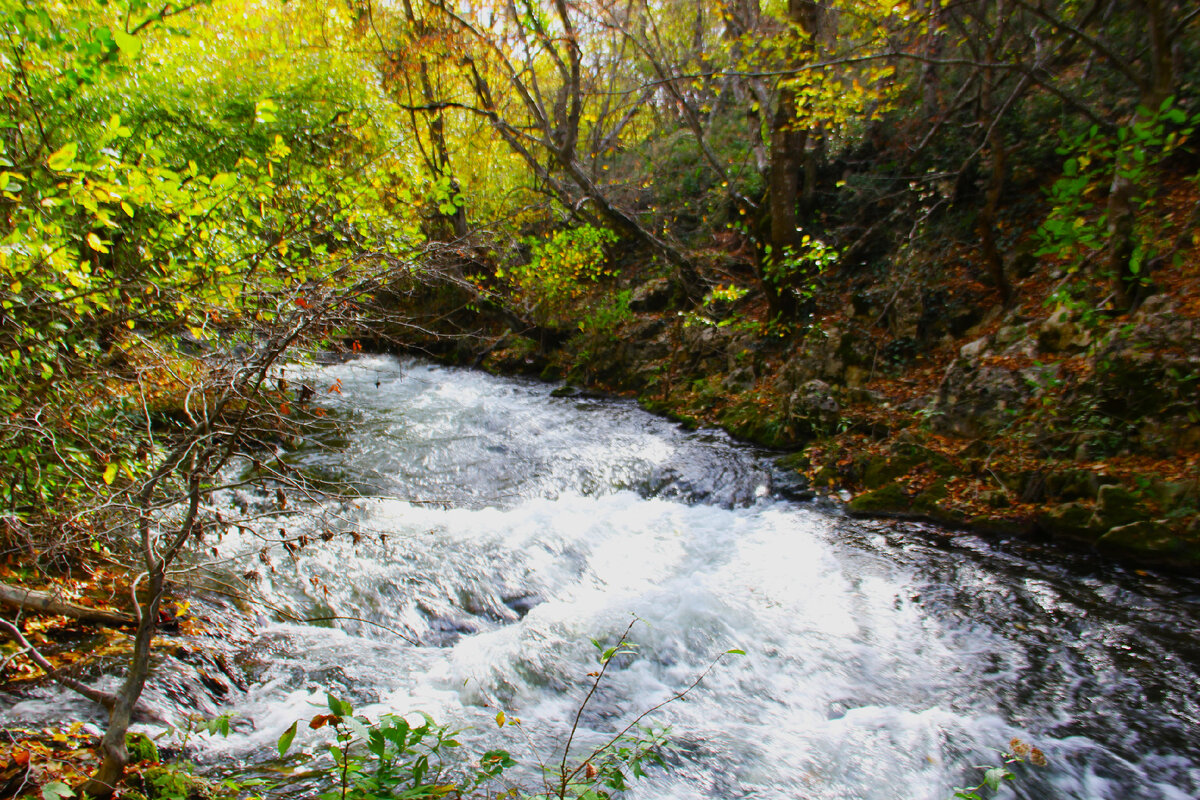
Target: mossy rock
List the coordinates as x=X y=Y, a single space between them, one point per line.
x=994 y=498
x=1149 y=536
x=930 y=500
x=654 y=405
x=1076 y=520
x=663 y=407
x=763 y=430
x=794 y=462
x=1173 y=494
x=1117 y=506
x=173 y=782
x=880 y=470
x=1070 y=485
x=826 y=476
x=141 y=748
x=933 y=460
x=884 y=499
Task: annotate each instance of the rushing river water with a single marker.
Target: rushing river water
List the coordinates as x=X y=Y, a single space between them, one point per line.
x=883 y=660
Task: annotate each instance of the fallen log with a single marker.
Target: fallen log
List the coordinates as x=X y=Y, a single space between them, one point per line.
x=46 y=603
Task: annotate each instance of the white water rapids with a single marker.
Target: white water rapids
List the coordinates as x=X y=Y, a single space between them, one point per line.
x=883 y=661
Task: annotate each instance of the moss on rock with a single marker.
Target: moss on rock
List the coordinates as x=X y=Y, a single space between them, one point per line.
x=141 y=748
x=1151 y=536
x=1075 y=520
x=881 y=469
x=930 y=501
x=797 y=461
x=884 y=499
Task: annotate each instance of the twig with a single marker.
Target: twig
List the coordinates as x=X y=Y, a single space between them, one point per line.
x=103 y=698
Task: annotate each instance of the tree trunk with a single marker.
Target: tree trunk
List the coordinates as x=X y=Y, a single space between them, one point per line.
x=990 y=117
x=113 y=754
x=438 y=161
x=1121 y=212
x=46 y=603
x=1120 y=236
x=987 y=225
x=788 y=168
x=787 y=156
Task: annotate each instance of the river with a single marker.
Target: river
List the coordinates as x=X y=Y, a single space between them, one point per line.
x=501 y=529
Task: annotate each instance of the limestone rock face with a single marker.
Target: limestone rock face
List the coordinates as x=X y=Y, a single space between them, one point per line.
x=980 y=393
x=974 y=397
x=1117 y=506
x=1149 y=366
x=811 y=410
x=653 y=295
x=838 y=356
x=1059 y=333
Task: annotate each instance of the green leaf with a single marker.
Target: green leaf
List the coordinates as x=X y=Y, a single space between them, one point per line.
x=339 y=707
x=55 y=790
x=62 y=158
x=264 y=111
x=996 y=774
x=735 y=652
x=285 y=741
x=356 y=727
x=130 y=45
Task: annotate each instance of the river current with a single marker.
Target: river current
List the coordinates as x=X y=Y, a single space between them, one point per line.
x=500 y=530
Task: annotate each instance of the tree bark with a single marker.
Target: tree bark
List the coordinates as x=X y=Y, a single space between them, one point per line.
x=788 y=167
x=991 y=116
x=113 y=753
x=438 y=161
x=1121 y=212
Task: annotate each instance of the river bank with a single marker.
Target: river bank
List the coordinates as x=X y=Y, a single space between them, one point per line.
x=925 y=402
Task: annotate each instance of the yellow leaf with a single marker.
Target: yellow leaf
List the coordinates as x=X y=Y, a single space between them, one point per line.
x=110 y=472
x=94 y=242
x=500 y=719
x=61 y=159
